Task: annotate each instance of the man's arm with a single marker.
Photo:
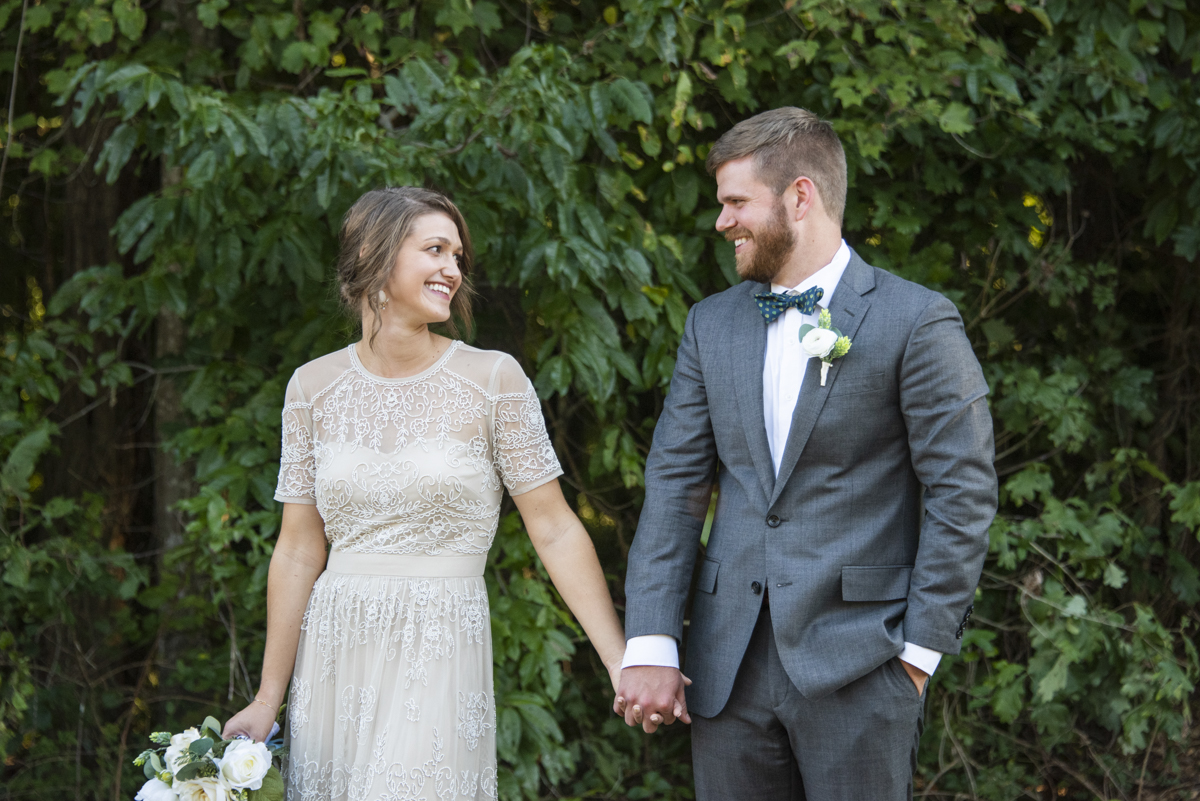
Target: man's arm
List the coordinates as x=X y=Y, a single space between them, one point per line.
x=943 y=397
x=679 y=476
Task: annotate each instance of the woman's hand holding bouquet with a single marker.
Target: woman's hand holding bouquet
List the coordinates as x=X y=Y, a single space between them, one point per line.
x=198 y=765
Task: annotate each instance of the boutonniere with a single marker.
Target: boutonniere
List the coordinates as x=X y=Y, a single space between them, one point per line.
x=824 y=341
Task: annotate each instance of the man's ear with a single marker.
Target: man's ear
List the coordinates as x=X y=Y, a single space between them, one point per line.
x=803 y=198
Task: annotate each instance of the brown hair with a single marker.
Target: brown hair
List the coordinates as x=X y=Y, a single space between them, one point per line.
x=788 y=143
x=375 y=227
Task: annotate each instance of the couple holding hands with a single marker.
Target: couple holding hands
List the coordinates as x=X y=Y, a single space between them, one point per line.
x=856 y=488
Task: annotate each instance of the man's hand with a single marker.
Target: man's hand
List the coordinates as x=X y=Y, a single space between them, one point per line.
x=652 y=696
x=918 y=676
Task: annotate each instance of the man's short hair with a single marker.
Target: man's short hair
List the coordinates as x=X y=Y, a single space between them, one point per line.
x=788 y=143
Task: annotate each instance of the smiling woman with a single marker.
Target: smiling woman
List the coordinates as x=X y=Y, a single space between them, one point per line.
x=393 y=233
x=397 y=450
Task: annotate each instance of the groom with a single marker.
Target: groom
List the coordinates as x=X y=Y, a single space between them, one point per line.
x=852 y=509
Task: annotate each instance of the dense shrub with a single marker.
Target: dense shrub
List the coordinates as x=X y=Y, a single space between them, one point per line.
x=173 y=178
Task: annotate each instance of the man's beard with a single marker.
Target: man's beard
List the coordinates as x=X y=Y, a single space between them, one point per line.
x=772 y=247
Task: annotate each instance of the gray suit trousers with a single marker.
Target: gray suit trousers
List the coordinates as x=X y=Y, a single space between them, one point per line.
x=770 y=743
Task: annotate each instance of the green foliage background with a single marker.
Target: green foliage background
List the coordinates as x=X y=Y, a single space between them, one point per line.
x=173 y=177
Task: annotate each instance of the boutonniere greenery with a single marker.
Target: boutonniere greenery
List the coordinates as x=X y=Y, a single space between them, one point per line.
x=824 y=341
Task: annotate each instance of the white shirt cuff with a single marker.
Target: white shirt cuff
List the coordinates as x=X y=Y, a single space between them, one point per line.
x=919 y=657
x=657 y=650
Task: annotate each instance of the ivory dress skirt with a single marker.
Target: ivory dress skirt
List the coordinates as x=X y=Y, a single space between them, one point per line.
x=392 y=692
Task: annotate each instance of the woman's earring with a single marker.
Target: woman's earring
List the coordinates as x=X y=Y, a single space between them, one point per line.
x=383 y=300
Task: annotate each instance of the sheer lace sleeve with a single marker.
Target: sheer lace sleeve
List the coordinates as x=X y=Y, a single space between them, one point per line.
x=521 y=449
x=297 y=466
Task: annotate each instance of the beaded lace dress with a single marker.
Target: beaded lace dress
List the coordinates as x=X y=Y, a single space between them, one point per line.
x=391 y=698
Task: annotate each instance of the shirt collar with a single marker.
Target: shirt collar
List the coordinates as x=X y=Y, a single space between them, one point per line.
x=827 y=277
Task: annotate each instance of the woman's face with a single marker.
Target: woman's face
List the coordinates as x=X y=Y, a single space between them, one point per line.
x=426 y=274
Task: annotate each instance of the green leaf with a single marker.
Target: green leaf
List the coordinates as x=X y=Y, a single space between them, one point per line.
x=455 y=14
x=131 y=19
x=271 y=789
x=209 y=11
x=1041 y=16
x=593 y=224
x=18 y=467
x=487 y=17
x=116 y=151
x=134 y=222
x=200 y=747
x=683 y=94
x=213 y=725
x=38 y=16
x=1055 y=680
x=956 y=119
x=1005 y=83
x=651 y=144
x=629 y=98
x=637 y=266
x=202 y=170
x=798 y=50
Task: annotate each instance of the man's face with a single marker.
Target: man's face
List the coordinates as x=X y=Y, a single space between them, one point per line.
x=755 y=219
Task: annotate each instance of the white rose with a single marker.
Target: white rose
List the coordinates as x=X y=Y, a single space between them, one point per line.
x=156 y=790
x=818 y=342
x=179 y=746
x=208 y=788
x=244 y=764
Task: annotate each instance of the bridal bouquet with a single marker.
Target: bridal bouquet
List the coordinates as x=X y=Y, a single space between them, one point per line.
x=197 y=765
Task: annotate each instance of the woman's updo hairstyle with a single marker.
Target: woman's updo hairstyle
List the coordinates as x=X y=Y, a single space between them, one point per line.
x=375 y=227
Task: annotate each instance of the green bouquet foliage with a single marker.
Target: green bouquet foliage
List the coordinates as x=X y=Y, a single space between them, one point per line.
x=172 y=180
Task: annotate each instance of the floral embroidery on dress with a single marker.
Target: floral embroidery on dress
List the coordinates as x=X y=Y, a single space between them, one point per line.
x=297 y=715
x=412 y=466
x=366 y=709
x=412 y=616
x=474 y=718
x=307 y=780
x=414 y=710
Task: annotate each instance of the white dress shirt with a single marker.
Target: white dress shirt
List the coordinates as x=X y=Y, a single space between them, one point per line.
x=781 y=389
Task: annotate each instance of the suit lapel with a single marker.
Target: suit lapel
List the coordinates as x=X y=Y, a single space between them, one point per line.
x=848 y=308
x=748 y=350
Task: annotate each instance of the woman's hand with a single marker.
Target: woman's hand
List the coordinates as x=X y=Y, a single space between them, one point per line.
x=255 y=722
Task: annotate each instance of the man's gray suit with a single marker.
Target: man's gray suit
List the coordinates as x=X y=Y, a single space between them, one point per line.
x=875 y=530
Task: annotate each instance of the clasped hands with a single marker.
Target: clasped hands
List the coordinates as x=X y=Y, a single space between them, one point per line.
x=650 y=696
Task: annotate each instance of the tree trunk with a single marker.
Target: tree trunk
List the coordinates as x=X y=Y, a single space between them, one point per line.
x=173 y=478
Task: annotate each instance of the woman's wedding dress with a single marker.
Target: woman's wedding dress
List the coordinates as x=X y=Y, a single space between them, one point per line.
x=391 y=698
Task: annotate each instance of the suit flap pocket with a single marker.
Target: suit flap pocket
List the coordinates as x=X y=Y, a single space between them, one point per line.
x=708 y=575
x=856 y=385
x=875 y=583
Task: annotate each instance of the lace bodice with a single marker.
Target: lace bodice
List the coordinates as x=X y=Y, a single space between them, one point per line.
x=413 y=465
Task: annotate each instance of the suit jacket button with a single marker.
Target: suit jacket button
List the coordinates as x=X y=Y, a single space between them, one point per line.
x=773 y=521
x=756 y=588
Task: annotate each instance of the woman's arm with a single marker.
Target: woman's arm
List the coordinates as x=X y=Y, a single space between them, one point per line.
x=570 y=559
x=298 y=560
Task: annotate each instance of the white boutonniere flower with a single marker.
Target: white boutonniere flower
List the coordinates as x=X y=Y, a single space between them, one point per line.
x=824 y=342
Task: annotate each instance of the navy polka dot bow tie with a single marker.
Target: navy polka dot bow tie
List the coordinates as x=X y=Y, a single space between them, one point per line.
x=772 y=304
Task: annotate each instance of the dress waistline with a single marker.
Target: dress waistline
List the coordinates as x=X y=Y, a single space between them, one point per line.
x=406 y=565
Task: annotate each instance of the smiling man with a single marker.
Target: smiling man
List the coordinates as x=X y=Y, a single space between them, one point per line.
x=855 y=493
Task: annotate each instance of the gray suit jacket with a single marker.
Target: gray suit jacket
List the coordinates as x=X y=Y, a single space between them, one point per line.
x=875 y=531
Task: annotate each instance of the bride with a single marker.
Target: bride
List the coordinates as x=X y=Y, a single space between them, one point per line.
x=396 y=451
